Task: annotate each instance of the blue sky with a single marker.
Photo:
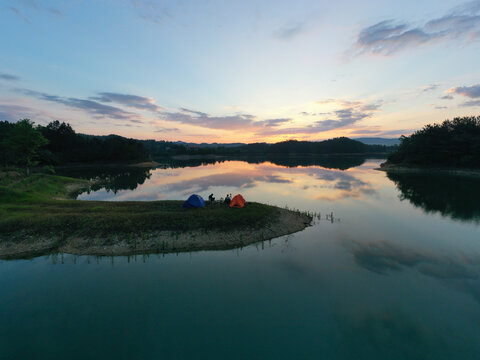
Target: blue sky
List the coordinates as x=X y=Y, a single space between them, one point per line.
x=205 y=70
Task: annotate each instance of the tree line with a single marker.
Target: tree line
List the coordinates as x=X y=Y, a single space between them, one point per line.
x=25 y=144
x=453 y=143
x=341 y=145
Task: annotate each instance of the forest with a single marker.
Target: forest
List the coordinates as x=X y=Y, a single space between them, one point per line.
x=452 y=143
x=25 y=144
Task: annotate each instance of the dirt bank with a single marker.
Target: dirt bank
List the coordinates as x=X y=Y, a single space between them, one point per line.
x=288 y=222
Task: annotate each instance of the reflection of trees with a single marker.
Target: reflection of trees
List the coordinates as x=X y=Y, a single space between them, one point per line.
x=453 y=196
x=110 y=178
x=170 y=163
x=330 y=162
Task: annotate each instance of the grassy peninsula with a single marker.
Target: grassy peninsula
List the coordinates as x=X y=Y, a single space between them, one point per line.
x=38 y=216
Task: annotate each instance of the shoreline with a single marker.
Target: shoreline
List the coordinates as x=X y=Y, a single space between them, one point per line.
x=139 y=164
x=436 y=170
x=162 y=241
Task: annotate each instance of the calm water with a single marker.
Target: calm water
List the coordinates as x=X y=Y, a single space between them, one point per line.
x=393 y=275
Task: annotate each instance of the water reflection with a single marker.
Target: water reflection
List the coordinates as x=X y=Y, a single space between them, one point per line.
x=259 y=181
x=384 y=256
x=455 y=269
x=329 y=162
x=390 y=332
x=453 y=196
x=110 y=178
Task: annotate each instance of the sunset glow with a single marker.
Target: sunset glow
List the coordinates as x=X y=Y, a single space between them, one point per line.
x=230 y=71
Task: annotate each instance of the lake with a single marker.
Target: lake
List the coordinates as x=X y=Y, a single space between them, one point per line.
x=389 y=270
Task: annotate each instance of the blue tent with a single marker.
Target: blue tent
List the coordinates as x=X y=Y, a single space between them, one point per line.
x=194 y=201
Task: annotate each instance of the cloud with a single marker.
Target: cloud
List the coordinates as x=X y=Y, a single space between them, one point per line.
x=37 y=5
x=288 y=32
x=164 y=129
x=305 y=113
x=389 y=36
x=471 y=92
x=397 y=132
x=154 y=11
x=199 y=113
x=134 y=101
x=55 y=11
x=362 y=131
x=9 y=77
x=127 y=125
x=440 y=107
x=471 y=103
x=378 y=131
x=430 y=87
x=348 y=113
x=13 y=113
x=96 y=108
x=90 y=106
x=273 y=122
x=446 y=97
x=345 y=114
x=17 y=12
x=228 y=122
x=197 y=118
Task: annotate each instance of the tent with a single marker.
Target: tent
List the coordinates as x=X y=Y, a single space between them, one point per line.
x=194 y=201
x=238 y=201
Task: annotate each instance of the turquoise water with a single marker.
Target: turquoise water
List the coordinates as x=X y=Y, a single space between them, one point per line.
x=393 y=274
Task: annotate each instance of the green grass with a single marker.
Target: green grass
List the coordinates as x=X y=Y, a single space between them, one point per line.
x=28 y=206
x=37 y=187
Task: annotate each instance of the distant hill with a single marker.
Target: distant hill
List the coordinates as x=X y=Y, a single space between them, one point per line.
x=341 y=145
x=365 y=140
x=378 y=141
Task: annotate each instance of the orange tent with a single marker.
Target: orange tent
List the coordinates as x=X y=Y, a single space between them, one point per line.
x=238 y=201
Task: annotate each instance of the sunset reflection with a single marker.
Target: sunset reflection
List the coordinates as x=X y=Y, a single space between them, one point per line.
x=264 y=182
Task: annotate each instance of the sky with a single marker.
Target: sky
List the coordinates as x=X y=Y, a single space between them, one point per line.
x=239 y=71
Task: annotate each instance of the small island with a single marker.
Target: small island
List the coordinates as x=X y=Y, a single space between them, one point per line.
x=39 y=216
x=452 y=147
